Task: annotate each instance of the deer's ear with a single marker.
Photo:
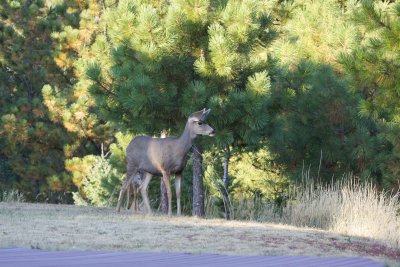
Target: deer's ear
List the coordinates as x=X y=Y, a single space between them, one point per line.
x=205 y=114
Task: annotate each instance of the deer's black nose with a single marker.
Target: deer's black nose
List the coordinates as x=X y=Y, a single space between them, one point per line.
x=212 y=133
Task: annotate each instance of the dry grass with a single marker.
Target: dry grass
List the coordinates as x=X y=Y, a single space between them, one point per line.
x=61 y=227
x=12 y=196
x=344 y=207
x=348 y=208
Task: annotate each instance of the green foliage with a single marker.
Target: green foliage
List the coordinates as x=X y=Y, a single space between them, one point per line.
x=99 y=183
x=31 y=144
x=294 y=86
x=312 y=121
x=117 y=150
x=143 y=90
x=235 y=66
x=317 y=31
x=145 y=69
x=99 y=178
x=255 y=181
x=374 y=74
x=255 y=175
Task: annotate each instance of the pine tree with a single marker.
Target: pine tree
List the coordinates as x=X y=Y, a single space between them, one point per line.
x=235 y=64
x=143 y=90
x=374 y=73
x=70 y=104
x=160 y=61
x=313 y=124
x=318 y=31
x=31 y=145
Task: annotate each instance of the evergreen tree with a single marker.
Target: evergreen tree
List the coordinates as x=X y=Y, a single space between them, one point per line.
x=71 y=105
x=312 y=122
x=31 y=145
x=98 y=177
x=235 y=64
x=257 y=176
x=373 y=69
x=314 y=113
x=166 y=59
x=141 y=85
x=314 y=30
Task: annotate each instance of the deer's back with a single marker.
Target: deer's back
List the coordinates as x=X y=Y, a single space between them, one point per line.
x=154 y=155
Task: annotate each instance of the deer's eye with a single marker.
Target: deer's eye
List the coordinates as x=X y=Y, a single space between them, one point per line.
x=200 y=123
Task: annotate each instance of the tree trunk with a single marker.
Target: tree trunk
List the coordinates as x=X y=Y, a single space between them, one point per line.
x=226 y=182
x=163 y=190
x=198 y=190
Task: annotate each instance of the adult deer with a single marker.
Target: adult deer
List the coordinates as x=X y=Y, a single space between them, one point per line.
x=164 y=157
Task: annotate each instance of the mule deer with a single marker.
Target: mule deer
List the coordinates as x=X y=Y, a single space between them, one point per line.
x=164 y=157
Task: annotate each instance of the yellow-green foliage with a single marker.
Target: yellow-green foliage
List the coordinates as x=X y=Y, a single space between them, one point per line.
x=79 y=168
x=101 y=183
x=255 y=175
x=256 y=189
x=318 y=30
x=118 y=154
x=99 y=177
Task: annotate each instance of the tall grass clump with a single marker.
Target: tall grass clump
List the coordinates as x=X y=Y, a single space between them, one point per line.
x=346 y=207
x=364 y=211
x=12 y=196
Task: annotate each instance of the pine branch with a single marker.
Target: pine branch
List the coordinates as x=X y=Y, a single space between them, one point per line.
x=106 y=89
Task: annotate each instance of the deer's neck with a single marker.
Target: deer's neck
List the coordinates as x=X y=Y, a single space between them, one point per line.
x=186 y=140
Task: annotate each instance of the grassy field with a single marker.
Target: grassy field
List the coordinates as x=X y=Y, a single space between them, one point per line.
x=62 y=227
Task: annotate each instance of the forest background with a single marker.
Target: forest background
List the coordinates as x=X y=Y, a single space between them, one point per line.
x=298 y=89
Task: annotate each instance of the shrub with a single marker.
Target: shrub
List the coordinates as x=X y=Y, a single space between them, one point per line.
x=100 y=185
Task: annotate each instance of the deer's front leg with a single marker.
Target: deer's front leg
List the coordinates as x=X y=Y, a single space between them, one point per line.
x=143 y=191
x=167 y=184
x=178 y=178
x=128 y=196
x=135 y=199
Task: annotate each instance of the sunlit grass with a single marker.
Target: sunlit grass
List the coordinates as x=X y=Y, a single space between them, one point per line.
x=349 y=208
x=63 y=227
x=363 y=211
x=345 y=207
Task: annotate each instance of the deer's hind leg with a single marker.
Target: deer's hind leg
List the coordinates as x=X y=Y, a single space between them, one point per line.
x=167 y=183
x=178 y=178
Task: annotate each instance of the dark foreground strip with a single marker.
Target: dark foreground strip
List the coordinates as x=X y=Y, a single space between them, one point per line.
x=16 y=257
